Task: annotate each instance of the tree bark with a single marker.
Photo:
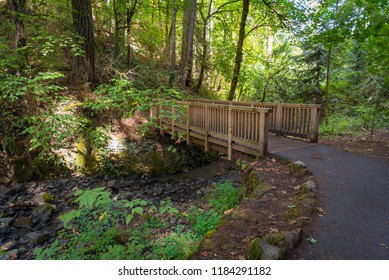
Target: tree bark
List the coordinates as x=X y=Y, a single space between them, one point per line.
x=116 y=31
x=327 y=92
x=239 y=50
x=204 y=53
x=83 y=26
x=189 y=20
x=173 y=45
x=18 y=8
x=130 y=14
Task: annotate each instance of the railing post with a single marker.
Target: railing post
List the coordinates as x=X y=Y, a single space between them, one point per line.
x=315 y=116
x=161 y=128
x=263 y=130
x=230 y=126
x=173 y=122
x=206 y=128
x=278 y=113
x=188 y=141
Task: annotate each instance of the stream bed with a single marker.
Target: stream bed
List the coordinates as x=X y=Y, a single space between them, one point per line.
x=29 y=211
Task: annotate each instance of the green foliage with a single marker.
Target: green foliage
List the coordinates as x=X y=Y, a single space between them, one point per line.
x=101 y=228
x=222 y=198
x=225 y=196
x=31 y=114
x=179 y=244
x=203 y=221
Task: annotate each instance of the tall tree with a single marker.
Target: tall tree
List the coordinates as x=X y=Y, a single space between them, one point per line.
x=239 y=50
x=206 y=18
x=17 y=7
x=131 y=8
x=189 y=20
x=83 y=26
x=173 y=45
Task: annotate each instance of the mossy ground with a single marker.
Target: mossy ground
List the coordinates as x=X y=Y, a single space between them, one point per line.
x=256 y=216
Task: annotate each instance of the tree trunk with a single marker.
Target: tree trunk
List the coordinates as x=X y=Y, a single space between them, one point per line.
x=239 y=50
x=204 y=54
x=327 y=92
x=173 y=45
x=17 y=7
x=130 y=14
x=83 y=25
x=116 y=31
x=189 y=19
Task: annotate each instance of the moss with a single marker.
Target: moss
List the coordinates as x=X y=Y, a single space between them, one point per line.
x=158 y=164
x=303 y=208
x=260 y=190
x=47 y=198
x=209 y=234
x=251 y=180
x=299 y=170
x=275 y=238
x=309 y=195
x=206 y=243
x=240 y=215
x=255 y=249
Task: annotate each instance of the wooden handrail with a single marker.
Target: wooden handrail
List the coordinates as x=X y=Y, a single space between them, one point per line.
x=233 y=127
x=299 y=120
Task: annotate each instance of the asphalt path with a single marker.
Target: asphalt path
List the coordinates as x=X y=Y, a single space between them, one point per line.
x=353 y=190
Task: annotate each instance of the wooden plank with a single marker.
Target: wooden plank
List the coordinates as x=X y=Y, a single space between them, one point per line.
x=206 y=128
x=230 y=133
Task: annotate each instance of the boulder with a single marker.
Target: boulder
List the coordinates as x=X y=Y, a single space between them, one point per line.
x=10 y=255
x=260 y=249
x=43 y=198
x=303 y=208
x=37 y=238
x=42 y=213
x=5 y=225
x=23 y=222
x=308 y=186
x=261 y=189
x=286 y=240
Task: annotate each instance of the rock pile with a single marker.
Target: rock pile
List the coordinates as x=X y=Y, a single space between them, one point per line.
x=29 y=211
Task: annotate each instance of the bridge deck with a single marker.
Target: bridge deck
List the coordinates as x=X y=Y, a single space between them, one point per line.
x=279 y=144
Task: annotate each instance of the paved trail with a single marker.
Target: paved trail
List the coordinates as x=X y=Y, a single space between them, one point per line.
x=354 y=193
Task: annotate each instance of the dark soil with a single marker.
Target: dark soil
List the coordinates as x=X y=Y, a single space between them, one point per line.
x=376 y=145
x=255 y=217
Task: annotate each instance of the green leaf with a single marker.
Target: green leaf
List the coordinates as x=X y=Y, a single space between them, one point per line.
x=66 y=218
x=311 y=240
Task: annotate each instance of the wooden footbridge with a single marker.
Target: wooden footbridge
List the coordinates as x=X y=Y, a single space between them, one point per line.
x=228 y=126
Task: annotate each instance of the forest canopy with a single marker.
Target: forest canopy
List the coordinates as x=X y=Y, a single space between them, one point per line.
x=334 y=53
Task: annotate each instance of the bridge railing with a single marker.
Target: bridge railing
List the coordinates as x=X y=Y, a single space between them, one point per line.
x=299 y=120
x=235 y=128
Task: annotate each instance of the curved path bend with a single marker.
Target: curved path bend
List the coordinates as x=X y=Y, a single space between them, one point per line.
x=354 y=193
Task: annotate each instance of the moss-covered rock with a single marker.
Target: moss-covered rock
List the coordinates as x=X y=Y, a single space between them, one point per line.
x=43 y=198
x=308 y=186
x=275 y=238
x=299 y=168
x=261 y=189
x=251 y=179
x=303 y=208
x=285 y=240
x=255 y=249
x=270 y=252
x=42 y=213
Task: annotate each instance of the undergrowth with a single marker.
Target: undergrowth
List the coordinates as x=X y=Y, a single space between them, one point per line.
x=102 y=228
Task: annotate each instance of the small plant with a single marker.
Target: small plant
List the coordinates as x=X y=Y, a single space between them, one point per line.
x=101 y=228
x=203 y=221
x=225 y=197
x=311 y=240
